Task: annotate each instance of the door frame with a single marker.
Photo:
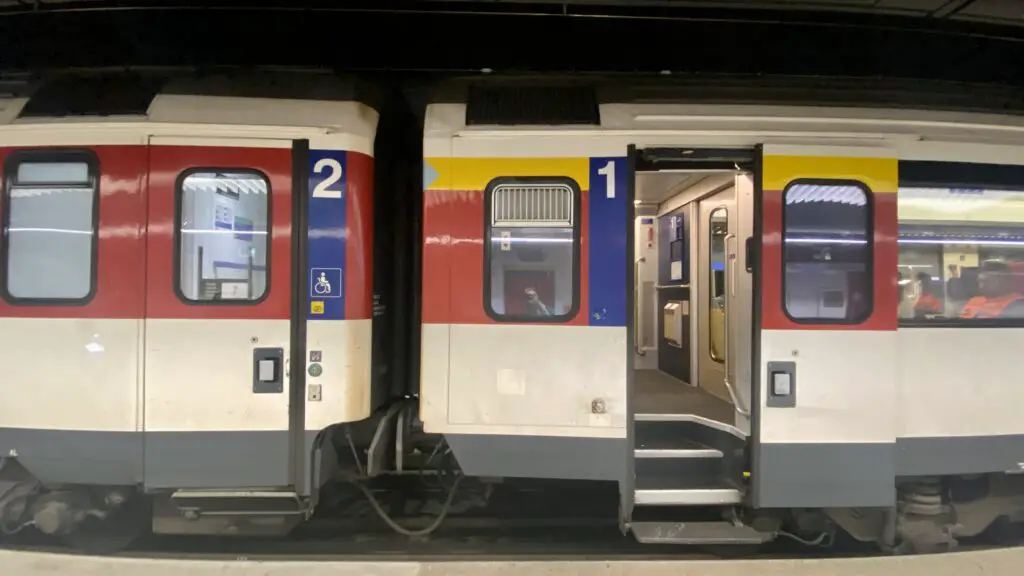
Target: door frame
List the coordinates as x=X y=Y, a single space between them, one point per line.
x=627 y=486
x=300 y=469
x=652 y=159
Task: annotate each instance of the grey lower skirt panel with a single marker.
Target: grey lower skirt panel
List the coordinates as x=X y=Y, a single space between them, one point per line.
x=221 y=459
x=216 y=459
x=75 y=456
x=790 y=474
x=959 y=455
x=551 y=457
x=825 y=475
x=852 y=475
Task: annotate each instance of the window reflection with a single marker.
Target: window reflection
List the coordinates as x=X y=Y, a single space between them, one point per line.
x=531 y=272
x=827 y=252
x=50 y=231
x=531 y=250
x=718 y=228
x=961 y=253
x=223 y=233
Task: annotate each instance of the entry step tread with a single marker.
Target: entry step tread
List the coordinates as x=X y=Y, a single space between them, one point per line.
x=686 y=490
x=219 y=502
x=696 y=533
x=662 y=447
x=689 y=497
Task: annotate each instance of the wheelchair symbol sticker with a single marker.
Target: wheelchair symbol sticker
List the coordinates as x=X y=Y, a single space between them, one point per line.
x=325 y=283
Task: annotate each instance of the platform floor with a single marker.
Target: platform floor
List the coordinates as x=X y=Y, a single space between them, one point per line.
x=658 y=393
x=1004 y=562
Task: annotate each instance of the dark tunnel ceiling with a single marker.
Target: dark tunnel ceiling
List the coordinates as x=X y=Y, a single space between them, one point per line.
x=998 y=12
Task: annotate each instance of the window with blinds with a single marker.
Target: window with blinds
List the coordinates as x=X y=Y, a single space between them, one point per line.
x=532 y=249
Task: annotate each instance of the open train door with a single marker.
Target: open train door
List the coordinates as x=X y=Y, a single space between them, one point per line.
x=825 y=355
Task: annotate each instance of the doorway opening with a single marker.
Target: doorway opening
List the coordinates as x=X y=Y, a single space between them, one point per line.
x=693 y=290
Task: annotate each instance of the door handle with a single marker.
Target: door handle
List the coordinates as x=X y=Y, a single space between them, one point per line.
x=636 y=308
x=730 y=263
x=268 y=370
x=730 y=274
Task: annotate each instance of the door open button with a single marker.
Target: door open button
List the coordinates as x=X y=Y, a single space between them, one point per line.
x=268 y=370
x=782 y=384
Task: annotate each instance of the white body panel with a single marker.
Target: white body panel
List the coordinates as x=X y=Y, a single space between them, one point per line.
x=844 y=387
x=960 y=382
x=345 y=382
x=506 y=380
x=70 y=374
x=199 y=375
x=212 y=390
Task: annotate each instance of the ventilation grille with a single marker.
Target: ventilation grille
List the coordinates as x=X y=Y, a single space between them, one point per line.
x=844 y=194
x=92 y=96
x=532 y=205
x=532 y=105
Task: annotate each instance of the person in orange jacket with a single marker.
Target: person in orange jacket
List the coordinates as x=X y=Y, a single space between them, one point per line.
x=998 y=298
x=927 y=304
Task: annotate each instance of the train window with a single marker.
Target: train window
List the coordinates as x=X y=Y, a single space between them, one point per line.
x=718 y=229
x=827 y=252
x=223 y=218
x=532 y=249
x=961 y=254
x=50 y=227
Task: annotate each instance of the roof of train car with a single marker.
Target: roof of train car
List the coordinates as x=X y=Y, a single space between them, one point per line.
x=490 y=97
x=98 y=91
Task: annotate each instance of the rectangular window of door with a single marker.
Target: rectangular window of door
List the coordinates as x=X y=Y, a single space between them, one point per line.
x=532 y=249
x=50 y=221
x=827 y=252
x=222 y=247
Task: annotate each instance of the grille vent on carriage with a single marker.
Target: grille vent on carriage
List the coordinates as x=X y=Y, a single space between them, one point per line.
x=532 y=205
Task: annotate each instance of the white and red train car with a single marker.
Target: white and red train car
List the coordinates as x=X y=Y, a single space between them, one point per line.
x=708 y=304
x=187 y=286
x=755 y=320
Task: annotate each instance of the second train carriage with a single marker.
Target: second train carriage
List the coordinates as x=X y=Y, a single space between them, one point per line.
x=187 y=292
x=714 y=306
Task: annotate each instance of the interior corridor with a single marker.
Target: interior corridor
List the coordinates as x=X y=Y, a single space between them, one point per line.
x=659 y=393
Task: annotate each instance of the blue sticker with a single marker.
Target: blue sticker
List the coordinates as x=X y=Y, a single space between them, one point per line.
x=328 y=193
x=609 y=231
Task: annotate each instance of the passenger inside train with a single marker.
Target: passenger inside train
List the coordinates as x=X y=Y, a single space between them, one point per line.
x=960 y=254
x=997 y=296
x=928 y=303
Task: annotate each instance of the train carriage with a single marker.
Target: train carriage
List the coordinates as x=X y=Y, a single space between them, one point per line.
x=187 y=290
x=712 y=305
